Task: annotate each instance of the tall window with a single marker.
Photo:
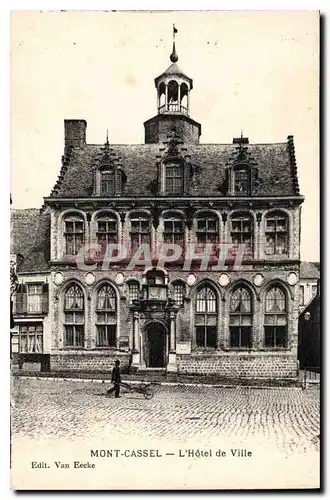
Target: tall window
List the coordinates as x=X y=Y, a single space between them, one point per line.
x=133 y=291
x=206 y=317
x=276 y=234
x=240 y=318
x=106 y=321
x=107 y=229
x=173 y=179
x=275 y=318
x=74 y=317
x=241 y=181
x=173 y=231
x=140 y=231
x=30 y=338
x=73 y=234
x=207 y=230
x=107 y=184
x=241 y=232
x=34 y=298
x=301 y=295
x=178 y=293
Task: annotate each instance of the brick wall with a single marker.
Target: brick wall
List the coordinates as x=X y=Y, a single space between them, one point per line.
x=90 y=362
x=241 y=366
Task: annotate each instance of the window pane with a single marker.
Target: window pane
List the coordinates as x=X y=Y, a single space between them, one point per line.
x=234 y=336
x=68 y=340
x=270 y=244
x=269 y=336
x=211 y=336
x=200 y=336
x=281 y=337
x=245 y=336
x=314 y=290
x=79 y=336
x=281 y=244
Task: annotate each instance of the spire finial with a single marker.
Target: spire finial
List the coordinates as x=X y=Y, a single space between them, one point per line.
x=174 y=55
x=107 y=141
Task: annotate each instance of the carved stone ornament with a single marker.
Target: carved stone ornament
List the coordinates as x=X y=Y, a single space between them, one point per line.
x=58 y=278
x=89 y=278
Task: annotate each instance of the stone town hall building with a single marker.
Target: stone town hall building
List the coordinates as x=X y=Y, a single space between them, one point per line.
x=234 y=318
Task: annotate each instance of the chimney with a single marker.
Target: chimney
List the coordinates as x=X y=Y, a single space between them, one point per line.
x=75 y=133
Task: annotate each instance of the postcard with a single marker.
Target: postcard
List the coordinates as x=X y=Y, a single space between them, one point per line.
x=165 y=275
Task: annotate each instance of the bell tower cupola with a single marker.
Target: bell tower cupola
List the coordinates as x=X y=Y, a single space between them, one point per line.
x=173 y=106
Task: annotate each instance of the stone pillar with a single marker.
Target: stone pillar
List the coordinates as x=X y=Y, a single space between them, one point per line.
x=172 y=366
x=188 y=94
x=136 y=337
x=179 y=97
x=166 y=97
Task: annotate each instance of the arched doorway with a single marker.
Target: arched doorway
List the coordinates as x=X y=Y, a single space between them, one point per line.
x=155 y=345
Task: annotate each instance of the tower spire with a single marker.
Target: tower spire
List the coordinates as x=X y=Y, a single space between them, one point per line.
x=174 y=56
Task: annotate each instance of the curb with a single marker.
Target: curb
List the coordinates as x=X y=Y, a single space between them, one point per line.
x=165 y=384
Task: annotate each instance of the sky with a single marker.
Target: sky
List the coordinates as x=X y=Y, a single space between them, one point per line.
x=252 y=71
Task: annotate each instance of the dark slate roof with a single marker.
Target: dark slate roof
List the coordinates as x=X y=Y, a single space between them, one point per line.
x=30 y=237
x=309 y=270
x=277 y=171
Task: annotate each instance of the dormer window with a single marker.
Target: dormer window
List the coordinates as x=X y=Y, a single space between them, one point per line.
x=173 y=179
x=241 y=181
x=107 y=183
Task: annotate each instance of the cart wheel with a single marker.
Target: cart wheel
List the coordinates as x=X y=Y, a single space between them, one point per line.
x=148 y=394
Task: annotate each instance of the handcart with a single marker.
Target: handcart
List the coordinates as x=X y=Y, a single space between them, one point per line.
x=144 y=389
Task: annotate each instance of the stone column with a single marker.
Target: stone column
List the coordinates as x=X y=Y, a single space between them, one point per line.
x=172 y=366
x=179 y=97
x=166 y=97
x=136 y=337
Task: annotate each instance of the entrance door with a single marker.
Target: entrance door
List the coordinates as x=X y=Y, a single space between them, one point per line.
x=156 y=346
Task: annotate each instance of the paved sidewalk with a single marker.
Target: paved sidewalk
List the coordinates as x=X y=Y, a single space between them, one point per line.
x=160 y=379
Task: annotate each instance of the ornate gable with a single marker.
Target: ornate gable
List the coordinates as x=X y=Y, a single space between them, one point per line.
x=242 y=176
x=109 y=177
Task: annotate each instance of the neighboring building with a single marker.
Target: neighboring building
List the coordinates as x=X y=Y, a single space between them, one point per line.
x=309 y=351
x=237 y=320
x=309 y=277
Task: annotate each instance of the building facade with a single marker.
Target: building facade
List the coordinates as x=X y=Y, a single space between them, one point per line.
x=224 y=299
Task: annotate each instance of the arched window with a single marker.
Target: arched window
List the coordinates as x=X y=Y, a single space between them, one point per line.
x=74 y=317
x=106 y=317
x=173 y=230
x=206 y=230
x=242 y=232
x=133 y=291
x=241 y=181
x=173 y=179
x=275 y=321
x=276 y=234
x=241 y=318
x=206 y=317
x=73 y=233
x=178 y=293
x=140 y=230
x=107 y=229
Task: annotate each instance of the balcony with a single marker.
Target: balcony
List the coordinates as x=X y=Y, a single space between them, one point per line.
x=173 y=108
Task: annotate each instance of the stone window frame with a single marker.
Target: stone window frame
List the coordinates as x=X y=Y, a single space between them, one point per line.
x=285 y=215
x=64 y=310
x=244 y=215
x=110 y=327
x=198 y=287
x=75 y=212
x=209 y=214
x=93 y=305
x=280 y=313
x=240 y=314
x=129 y=282
x=145 y=215
x=173 y=283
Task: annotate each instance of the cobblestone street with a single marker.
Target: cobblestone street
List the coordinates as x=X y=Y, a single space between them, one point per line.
x=69 y=410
